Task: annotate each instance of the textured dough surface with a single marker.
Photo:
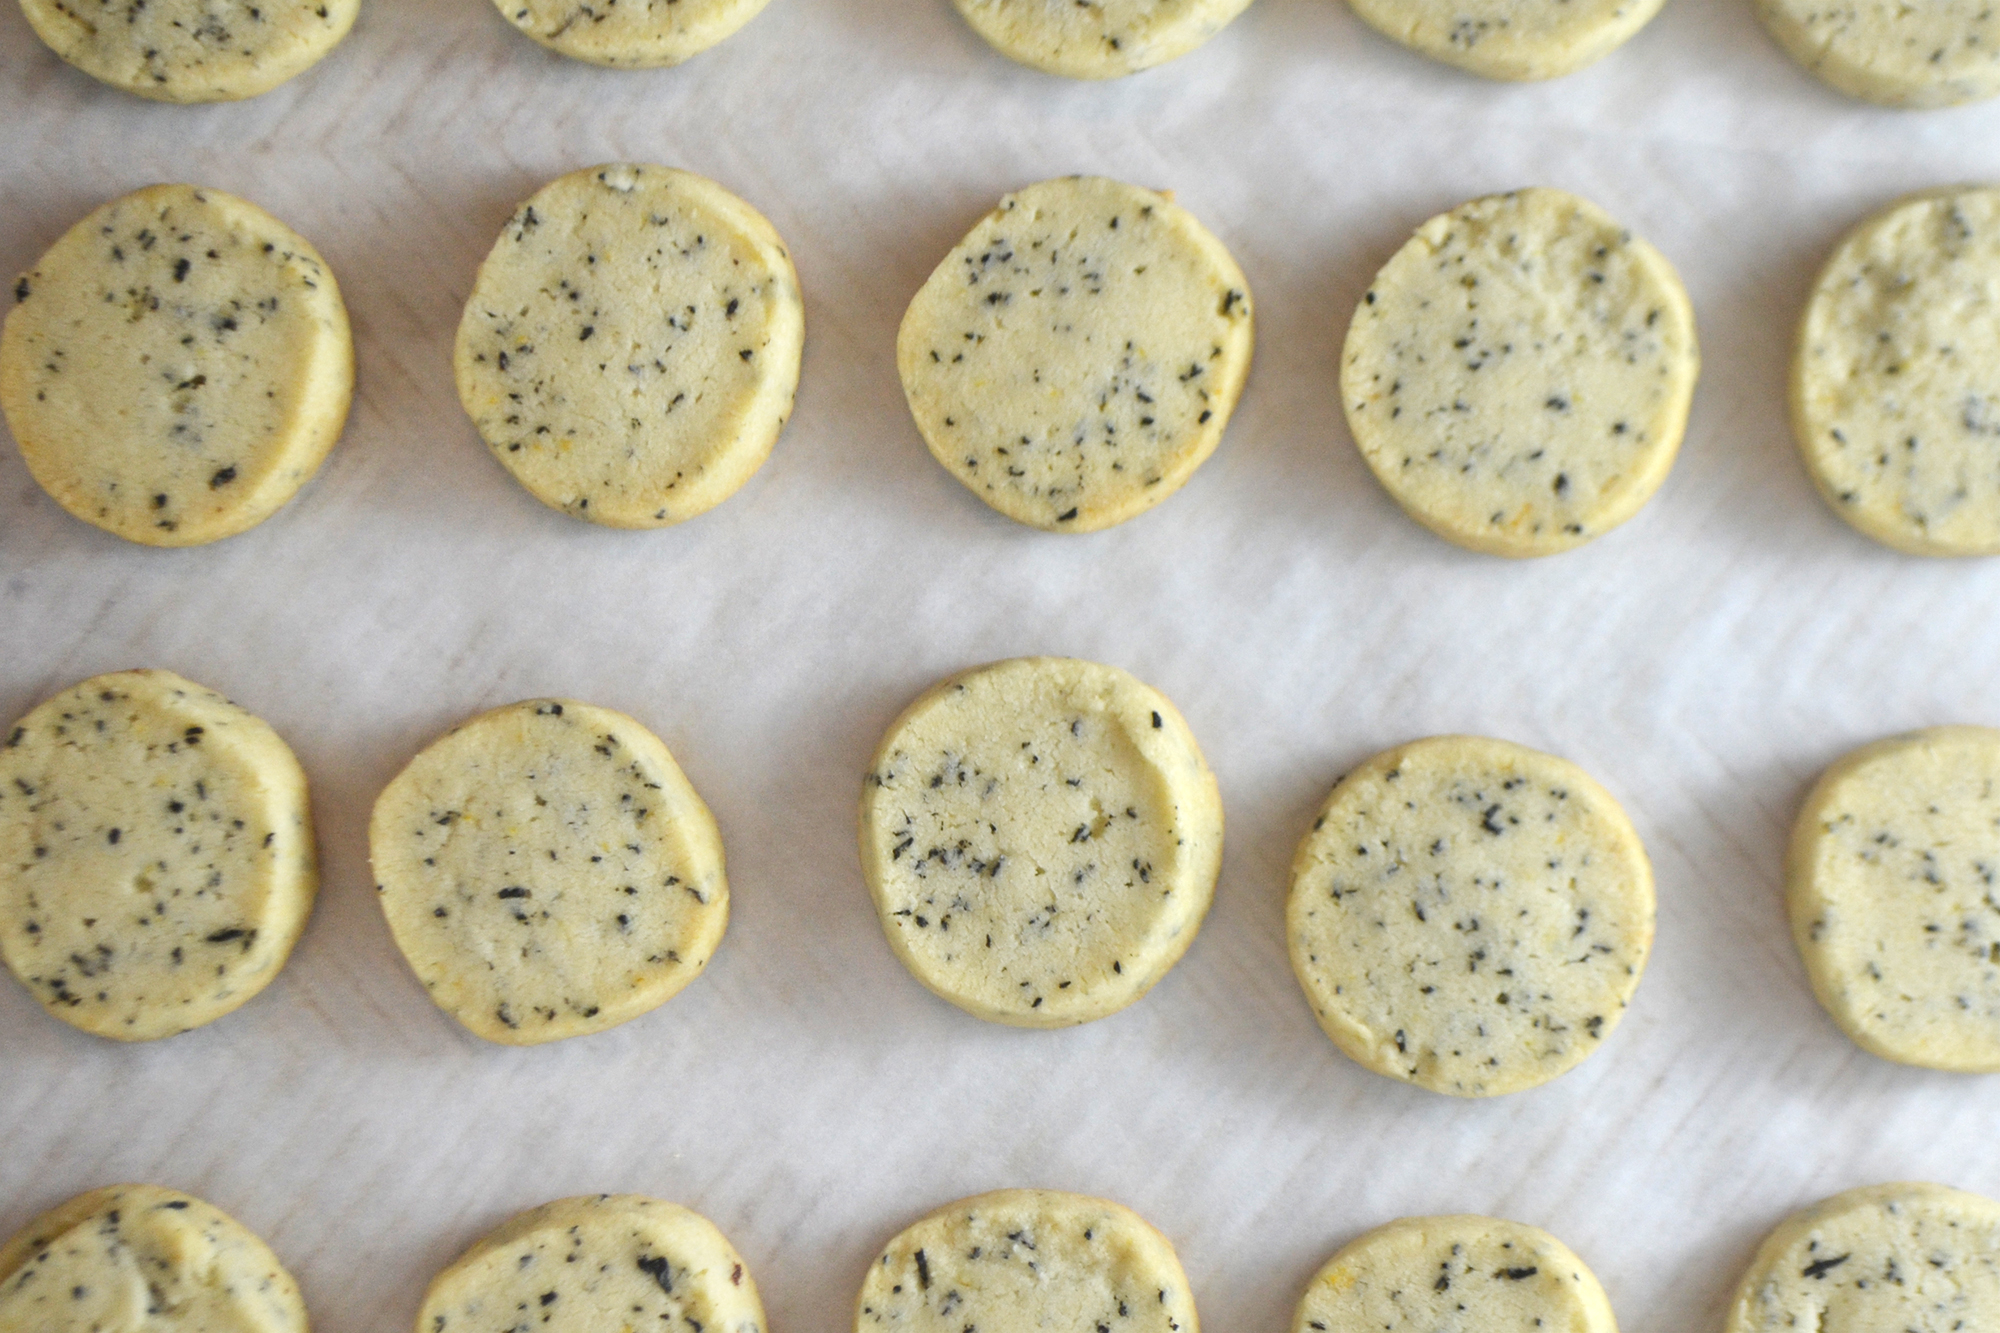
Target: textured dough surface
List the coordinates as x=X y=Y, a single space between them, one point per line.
x=141 y=1259
x=1927 y=54
x=548 y=871
x=1510 y=39
x=1027 y=1261
x=1469 y=915
x=1896 y=379
x=192 y=50
x=1076 y=357
x=1891 y=882
x=1097 y=39
x=594 y=1264
x=1459 y=1274
x=176 y=366
x=1041 y=837
x=632 y=344
x=634 y=34
x=1901 y=1258
x=156 y=855
x=1519 y=375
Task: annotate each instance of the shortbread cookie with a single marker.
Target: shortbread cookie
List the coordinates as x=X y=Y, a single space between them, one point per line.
x=1896 y=381
x=1881 y=1259
x=1019 y=1261
x=632 y=345
x=1891 y=882
x=1076 y=358
x=1424 y=1274
x=156 y=855
x=1519 y=375
x=141 y=1259
x=592 y=1264
x=1510 y=39
x=548 y=871
x=1935 y=53
x=637 y=34
x=192 y=50
x=1469 y=915
x=1097 y=39
x=176 y=366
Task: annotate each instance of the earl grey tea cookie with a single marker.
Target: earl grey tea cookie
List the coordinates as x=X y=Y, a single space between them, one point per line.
x=1519 y=374
x=192 y=50
x=1510 y=39
x=1099 y=40
x=1933 y=54
x=176 y=366
x=632 y=345
x=548 y=871
x=1469 y=915
x=1076 y=358
x=1041 y=837
x=156 y=855
x=634 y=34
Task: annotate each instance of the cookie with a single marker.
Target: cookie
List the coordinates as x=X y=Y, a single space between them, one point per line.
x=192 y=50
x=1891 y=885
x=1469 y=915
x=639 y=34
x=1516 y=40
x=176 y=366
x=142 y=1259
x=1422 y=1274
x=1518 y=376
x=156 y=855
x=1097 y=39
x=548 y=871
x=632 y=345
x=1018 y=1261
x=1902 y=1256
x=595 y=1263
x=1042 y=839
x=1939 y=53
x=1077 y=357
x=1896 y=379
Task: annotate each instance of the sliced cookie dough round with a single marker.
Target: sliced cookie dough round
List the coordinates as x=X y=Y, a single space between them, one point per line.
x=598 y=1262
x=176 y=366
x=1891 y=883
x=157 y=861
x=1099 y=39
x=1939 y=53
x=1042 y=839
x=1883 y=1257
x=1896 y=378
x=635 y=34
x=632 y=345
x=192 y=50
x=1077 y=357
x=1469 y=915
x=1516 y=40
x=1018 y=1261
x=1421 y=1274
x=548 y=871
x=1518 y=377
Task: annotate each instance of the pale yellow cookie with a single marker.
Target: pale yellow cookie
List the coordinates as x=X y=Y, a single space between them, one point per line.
x=1517 y=40
x=630 y=34
x=1097 y=39
x=192 y=50
x=1903 y=53
x=176 y=366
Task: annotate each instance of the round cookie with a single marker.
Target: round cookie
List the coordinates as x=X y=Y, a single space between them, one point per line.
x=192 y=50
x=548 y=871
x=632 y=345
x=176 y=366
x=1019 y=1261
x=156 y=855
x=1469 y=915
x=1890 y=881
x=1938 y=53
x=1881 y=1259
x=1100 y=39
x=1423 y=1274
x=1518 y=377
x=1517 y=40
x=1076 y=357
x=1896 y=379
x=1042 y=839
x=141 y=1259
x=638 y=34
x=594 y=1263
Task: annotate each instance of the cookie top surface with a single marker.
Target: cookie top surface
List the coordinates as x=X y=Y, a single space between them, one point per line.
x=1099 y=40
x=1021 y=1261
x=1891 y=886
x=156 y=855
x=1896 y=377
x=635 y=34
x=1042 y=838
x=1510 y=39
x=1518 y=377
x=1469 y=915
x=593 y=1263
x=176 y=366
x=141 y=1259
x=548 y=871
x=1937 y=53
x=1880 y=1259
x=632 y=344
x=192 y=50
x=1459 y=1274
x=1076 y=357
